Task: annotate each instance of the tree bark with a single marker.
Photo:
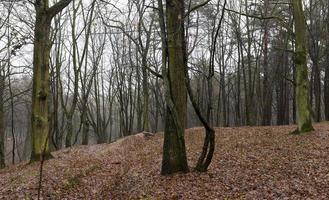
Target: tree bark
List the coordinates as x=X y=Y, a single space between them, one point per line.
x=2 y=130
x=174 y=152
x=267 y=93
x=146 y=121
x=302 y=88
x=326 y=78
x=40 y=91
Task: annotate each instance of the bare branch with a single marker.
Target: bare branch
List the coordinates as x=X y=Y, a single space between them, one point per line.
x=58 y=7
x=196 y=7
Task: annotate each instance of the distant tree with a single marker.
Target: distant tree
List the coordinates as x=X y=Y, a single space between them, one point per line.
x=2 y=88
x=40 y=92
x=315 y=51
x=2 y=130
x=78 y=62
x=267 y=94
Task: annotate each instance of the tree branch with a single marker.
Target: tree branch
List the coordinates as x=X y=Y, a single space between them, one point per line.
x=58 y=7
x=261 y=17
x=254 y=16
x=196 y=7
x=154 y=72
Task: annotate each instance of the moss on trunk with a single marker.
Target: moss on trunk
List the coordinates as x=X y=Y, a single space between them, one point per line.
x=174 y=152
x=40 y=93
x=302 y=83
x=41 y=87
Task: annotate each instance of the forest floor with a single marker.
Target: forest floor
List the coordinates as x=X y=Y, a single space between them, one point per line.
x=249 y=163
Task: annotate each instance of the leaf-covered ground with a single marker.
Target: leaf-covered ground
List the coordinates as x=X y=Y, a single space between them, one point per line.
x=249 y=163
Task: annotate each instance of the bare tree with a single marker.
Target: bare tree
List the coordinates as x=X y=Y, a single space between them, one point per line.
x=40 y=93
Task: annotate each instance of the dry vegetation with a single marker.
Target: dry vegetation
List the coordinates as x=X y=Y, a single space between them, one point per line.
x=249 y=163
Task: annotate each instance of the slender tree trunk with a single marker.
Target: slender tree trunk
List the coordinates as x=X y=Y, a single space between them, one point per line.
x=286 y=93
x=267 y=93
x=12 y=119
x=223 y=89
x=77 y=65
x=146 y=121
x=238 y=88
x=294 y=102
x=2 y=129
x=317 y=91
x=57 y=91
x=250 y=109
x=314 y=51
x=157 y=105
x=139 y=102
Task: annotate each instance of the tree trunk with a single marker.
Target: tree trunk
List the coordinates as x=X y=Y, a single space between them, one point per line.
x=249 y=96
x=2 y=130
x=41 y=87
x=146 y=121
x=85 y=130
x=174 y=152
x=69 y=134
x=326 y=78
x=302 y=88
x=138 y=105
x=294 y=102
x=40 y=93
x=267 y=93
x=317 y=91
x=314 y=51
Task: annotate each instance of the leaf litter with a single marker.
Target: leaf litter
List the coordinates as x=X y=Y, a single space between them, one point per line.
x=249 y=163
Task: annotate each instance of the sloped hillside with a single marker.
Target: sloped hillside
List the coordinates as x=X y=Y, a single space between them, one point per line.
x=249 y=163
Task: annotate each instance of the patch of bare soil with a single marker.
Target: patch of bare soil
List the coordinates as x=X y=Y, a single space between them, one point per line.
x=249 y=163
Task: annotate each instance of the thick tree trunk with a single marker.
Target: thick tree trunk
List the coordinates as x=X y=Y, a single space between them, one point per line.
x=326 y=78
x=85 y=132
x=302 y=88
x=174 y=152
x=40 y=93
x=41 y=87
x=102 y=138
x=69 y=127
